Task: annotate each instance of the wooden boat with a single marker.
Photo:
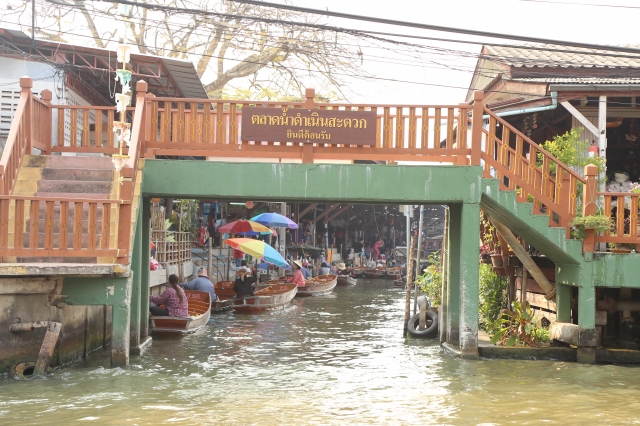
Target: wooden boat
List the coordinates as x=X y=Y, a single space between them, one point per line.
x=394 y=273
x=199 y=313
x=273 y=296
x=318 y=286
x=375 y=273
x=220 y=305
x=358 y=271
x=344 y=280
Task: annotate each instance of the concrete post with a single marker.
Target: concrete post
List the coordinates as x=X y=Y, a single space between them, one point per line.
x=144 y=263
x=120 y=337
x=469 y=272
x=135 y=283
x=453 y=275
x=587 y=323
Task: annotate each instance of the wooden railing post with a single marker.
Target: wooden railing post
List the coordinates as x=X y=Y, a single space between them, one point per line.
x=46 y=97
x=476 y=127
x=307 y=147
x=149 y=129
x=589 y=204
x=564 y=182
x=26 y=83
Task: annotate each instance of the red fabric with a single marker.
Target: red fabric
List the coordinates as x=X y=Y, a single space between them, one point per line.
x=170 y=301
x=298 y=278
x=237 y=254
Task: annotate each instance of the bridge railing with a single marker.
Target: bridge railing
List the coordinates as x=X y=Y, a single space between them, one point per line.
x=200 y=127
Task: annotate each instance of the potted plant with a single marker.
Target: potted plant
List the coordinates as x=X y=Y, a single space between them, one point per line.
x=598 y=223
x=621 y=247
x=490 y=244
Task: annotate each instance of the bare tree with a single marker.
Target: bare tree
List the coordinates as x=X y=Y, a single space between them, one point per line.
x=234 y=46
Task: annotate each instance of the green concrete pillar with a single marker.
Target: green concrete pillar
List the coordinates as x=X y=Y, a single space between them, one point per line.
x=136 y=270
x=112 y=291
x=587 y=307
x=453 y=275
x=144 y=262
x=469 y=279
x=121 y=335
x=563 y=303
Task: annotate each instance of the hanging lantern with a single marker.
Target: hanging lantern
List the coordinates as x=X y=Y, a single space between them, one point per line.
x=249 y=204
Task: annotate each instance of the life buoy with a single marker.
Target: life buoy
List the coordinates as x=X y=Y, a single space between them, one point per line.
x=432 y=325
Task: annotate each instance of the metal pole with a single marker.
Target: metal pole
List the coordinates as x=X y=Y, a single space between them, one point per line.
x=407 y=306
x=33 y=22
x=415 y=292
x=210 y=261
x=282 y=237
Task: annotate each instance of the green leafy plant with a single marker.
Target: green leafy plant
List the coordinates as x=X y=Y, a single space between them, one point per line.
x=430 y=281
x=493 y=298
x=517 y=327
x=570 y=149
x=169 y=236
x=599 y=223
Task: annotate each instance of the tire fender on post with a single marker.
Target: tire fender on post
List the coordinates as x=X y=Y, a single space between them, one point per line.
x=432 y=325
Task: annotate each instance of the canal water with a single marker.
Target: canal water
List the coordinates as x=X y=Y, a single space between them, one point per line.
x=332 y=360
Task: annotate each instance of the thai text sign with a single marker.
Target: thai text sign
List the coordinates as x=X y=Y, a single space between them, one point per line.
x=308 y=125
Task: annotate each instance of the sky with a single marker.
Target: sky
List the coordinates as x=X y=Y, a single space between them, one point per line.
x=553 y=20
x=441 y=77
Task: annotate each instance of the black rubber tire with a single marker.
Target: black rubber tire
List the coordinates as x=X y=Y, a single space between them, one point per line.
x=432 y=325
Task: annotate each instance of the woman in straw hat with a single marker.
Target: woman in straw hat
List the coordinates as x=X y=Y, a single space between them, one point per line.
x=298 y=277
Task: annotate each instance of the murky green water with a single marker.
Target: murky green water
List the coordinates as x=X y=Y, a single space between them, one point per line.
x=331 y=360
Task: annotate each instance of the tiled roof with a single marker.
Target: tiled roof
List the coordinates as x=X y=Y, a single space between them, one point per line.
x=551 y=55
x=578 y=80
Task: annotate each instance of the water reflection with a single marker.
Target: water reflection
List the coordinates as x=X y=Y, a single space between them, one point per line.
x=330 y=360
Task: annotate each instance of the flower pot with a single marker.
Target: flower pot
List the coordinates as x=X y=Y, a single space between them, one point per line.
x=620 y=250
x=496 y=260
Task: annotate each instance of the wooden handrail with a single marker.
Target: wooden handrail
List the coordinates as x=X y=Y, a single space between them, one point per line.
x=18 y=139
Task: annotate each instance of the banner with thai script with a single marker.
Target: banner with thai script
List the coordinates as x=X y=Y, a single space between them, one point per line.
x=308 y=126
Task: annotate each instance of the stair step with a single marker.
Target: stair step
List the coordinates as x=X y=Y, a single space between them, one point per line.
x=73 y=162
x=57 y=260
x=87 y=175
x=74 y=187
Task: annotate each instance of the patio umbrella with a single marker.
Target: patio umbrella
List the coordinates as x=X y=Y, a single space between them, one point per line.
x=244 y=227
x=275 y=219
x=259 y=249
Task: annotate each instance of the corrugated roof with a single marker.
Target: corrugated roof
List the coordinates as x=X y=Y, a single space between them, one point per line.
x=579 y=80
x=554 y=56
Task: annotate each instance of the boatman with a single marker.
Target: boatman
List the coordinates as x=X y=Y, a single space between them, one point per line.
x=201 y=283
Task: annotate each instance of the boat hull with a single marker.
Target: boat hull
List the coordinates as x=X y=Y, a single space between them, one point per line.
x=344 y=280
x=276 y=296
x=375 y=273
x=318 y=286
x=220 y=306
x=199 y=308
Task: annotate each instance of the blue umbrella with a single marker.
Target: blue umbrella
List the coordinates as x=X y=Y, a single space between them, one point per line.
x=275 y=219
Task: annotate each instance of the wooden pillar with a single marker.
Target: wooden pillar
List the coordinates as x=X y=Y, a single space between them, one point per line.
x=26 y=85
x=476 y=127
x=589 y=204
x=46 y=98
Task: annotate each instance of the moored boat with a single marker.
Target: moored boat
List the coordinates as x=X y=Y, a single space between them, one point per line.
x=318 y=286
x=199 y=313
x=394 y=273
x=375 y=273
x=344 y=280
x=358 y=271
x=272 y=296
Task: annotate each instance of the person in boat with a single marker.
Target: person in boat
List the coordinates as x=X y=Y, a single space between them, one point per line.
x=174 y=300
x=324 y=269
x=244 y=267
x=342 y=269
x=201 y=283
x=376 y=248
x=243 y=286
x=305 y=271
x=298 y=277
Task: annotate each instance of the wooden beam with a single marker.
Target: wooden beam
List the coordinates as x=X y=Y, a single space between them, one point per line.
x=327 y=210
x=307 y=210
x=549 y=124
x=527 y=261
x=338 y=213
x=581 y=118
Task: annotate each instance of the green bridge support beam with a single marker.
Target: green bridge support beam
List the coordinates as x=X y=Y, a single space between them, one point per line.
x=112 y=291
x=136 y=282
x=469 y=277
x=453 y=276
x=144 y=276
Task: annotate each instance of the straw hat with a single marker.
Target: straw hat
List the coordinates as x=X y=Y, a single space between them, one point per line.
x=297 y=262
x=342 y=266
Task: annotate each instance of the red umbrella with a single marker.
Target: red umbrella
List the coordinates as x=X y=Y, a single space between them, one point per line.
x=244 y=227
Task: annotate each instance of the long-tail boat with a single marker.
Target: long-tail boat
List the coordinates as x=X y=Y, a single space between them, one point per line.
x=318 y=286
x=375 y=273
x=344 y=280
x=272 y=296
x=199 y=313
